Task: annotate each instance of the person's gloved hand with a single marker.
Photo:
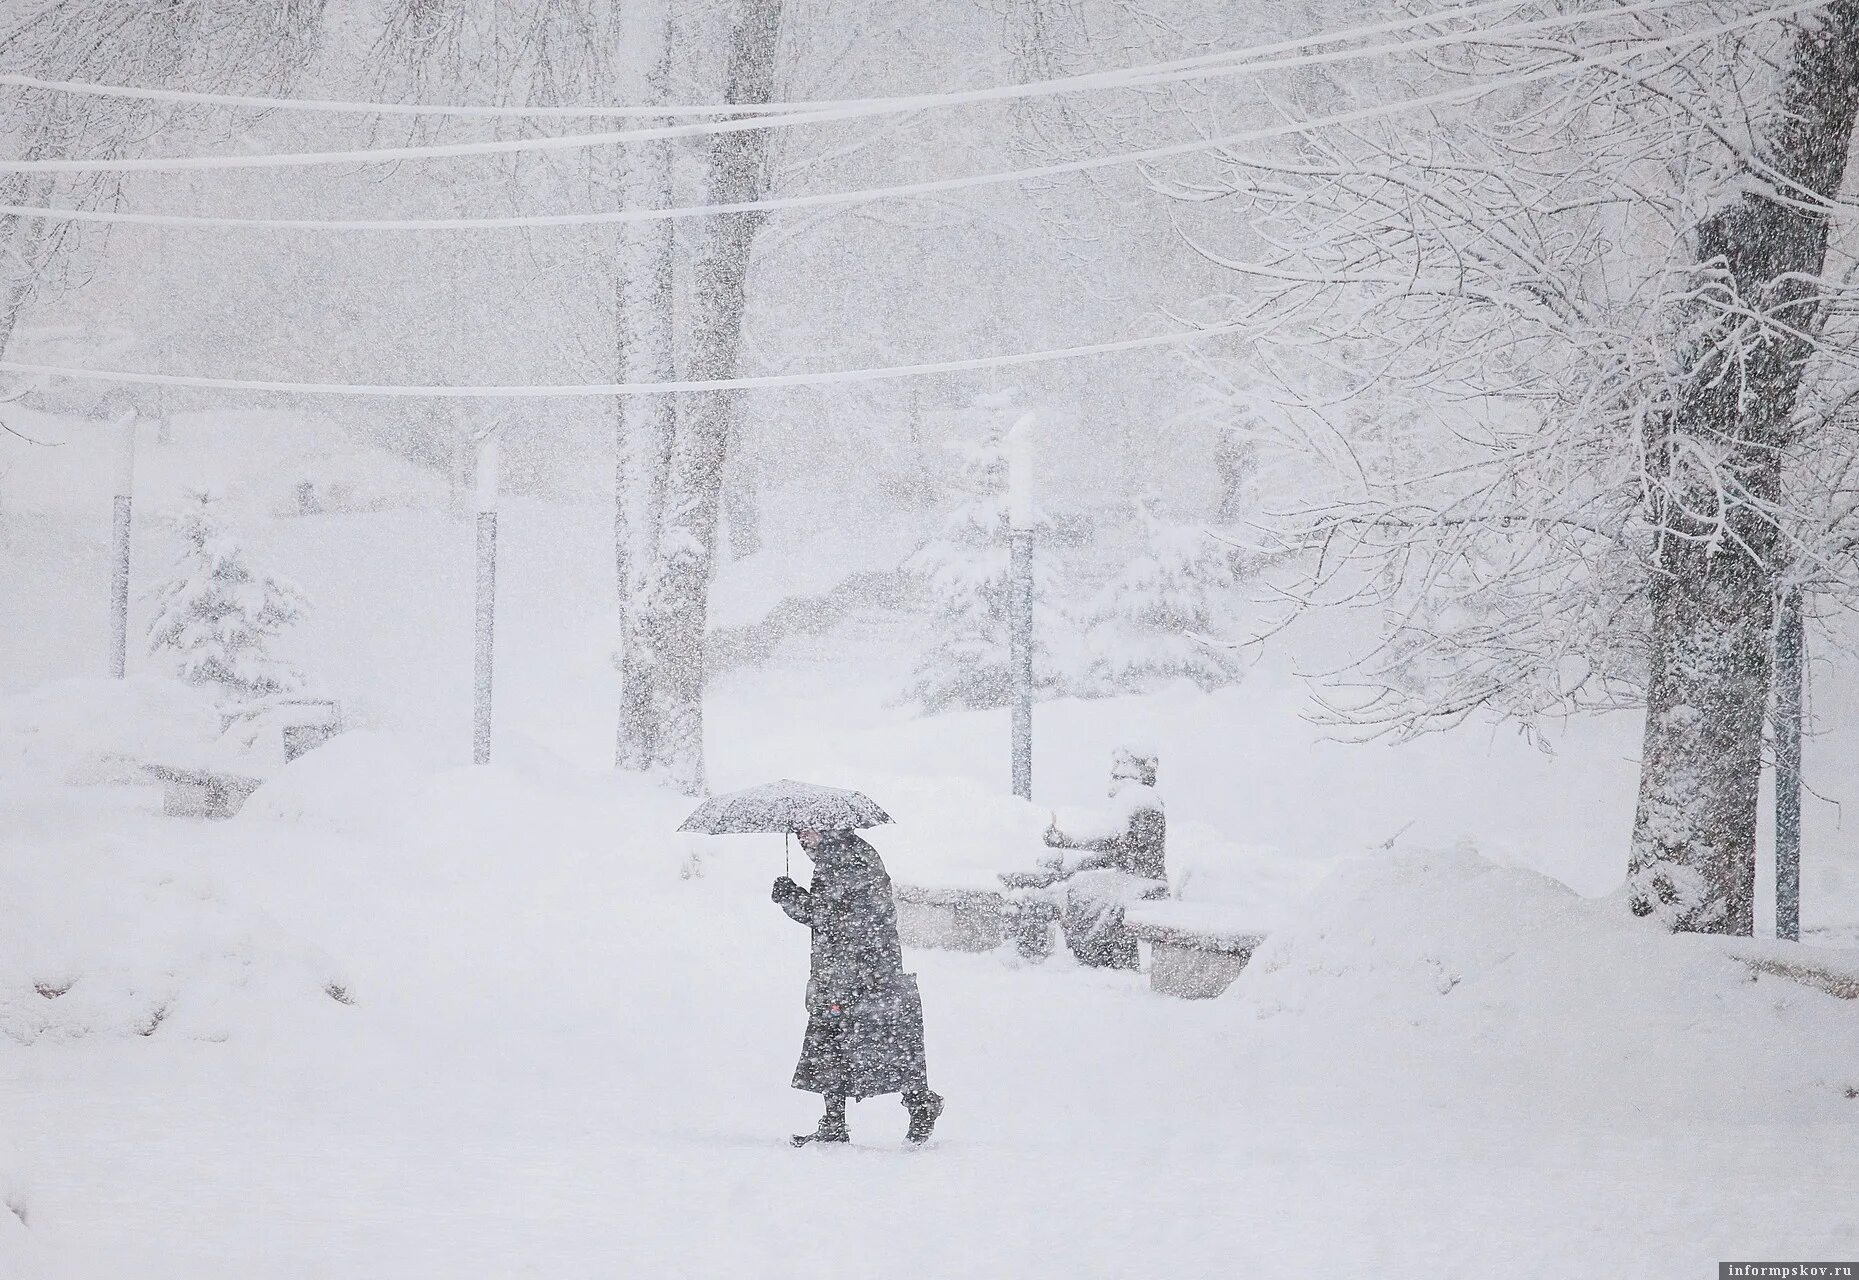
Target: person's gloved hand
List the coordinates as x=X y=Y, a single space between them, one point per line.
x=784 y=890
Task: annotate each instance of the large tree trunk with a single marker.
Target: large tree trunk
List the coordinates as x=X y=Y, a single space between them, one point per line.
x=644 y=317
x=680 y=606
x=1715 y=473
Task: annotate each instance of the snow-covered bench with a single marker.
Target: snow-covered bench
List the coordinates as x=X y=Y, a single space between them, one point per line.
x=253 y=747
x=1196 y=949
x=203 y=793
x=282 y=731
x=951 y=919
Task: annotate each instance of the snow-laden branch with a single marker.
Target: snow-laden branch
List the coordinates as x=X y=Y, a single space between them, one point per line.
x=1468 y=352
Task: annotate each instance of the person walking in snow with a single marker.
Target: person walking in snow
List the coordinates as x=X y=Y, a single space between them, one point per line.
x=864 y=1013
x=1125 y=862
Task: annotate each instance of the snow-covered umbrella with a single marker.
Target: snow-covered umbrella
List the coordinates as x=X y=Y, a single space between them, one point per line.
x=784 y=806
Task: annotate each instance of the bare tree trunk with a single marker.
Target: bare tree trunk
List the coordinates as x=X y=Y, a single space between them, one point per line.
x=742 y=498
x=644 y=315
x=687 y=545
x=1716 y=484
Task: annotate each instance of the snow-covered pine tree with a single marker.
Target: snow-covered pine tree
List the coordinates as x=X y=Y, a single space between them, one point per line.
x=1167 y=615
x=962 y=573
x=217 y=615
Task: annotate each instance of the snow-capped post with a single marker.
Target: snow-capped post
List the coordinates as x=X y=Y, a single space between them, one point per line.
x=1020 y=521
x=487 y=598
x=1790 y=652
x=125 y=431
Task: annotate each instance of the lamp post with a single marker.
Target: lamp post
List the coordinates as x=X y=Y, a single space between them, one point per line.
x=1790 y=660
x=1020 y=521
x=125 y=431
x=486 y=504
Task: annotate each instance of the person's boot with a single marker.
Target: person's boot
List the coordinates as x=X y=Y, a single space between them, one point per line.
x=827 y=1132
x=832 y=1126
x=924 y=1107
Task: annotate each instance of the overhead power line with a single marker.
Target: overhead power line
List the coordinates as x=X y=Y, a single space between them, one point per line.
x=1114 y=77
x=585 y=390
x=895 y=371
x=845 y=111
x=930 y=186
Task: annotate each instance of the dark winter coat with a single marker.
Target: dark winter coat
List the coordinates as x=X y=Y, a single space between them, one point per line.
x=1092 y=922
x=1142 y=848
x=865 y=1018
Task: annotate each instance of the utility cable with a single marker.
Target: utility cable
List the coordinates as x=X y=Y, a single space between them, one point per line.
x=902 y=190
x=855 y=110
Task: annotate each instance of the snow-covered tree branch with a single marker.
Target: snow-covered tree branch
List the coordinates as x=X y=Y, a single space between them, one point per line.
x=1530 y=368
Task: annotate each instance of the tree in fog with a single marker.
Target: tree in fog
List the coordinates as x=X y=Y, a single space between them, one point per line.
x=1168 y=614
x=1715 y=495
x=675 y=603
x=1533 y=362
x=228 y=46
x=960 y=574
x=216 y=614
x=671 y=453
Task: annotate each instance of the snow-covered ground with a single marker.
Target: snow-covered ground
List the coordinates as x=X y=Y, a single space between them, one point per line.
x=403 y=1017
x=566 y=1057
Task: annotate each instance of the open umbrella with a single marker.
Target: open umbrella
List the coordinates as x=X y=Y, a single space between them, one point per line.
x=782 y=807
